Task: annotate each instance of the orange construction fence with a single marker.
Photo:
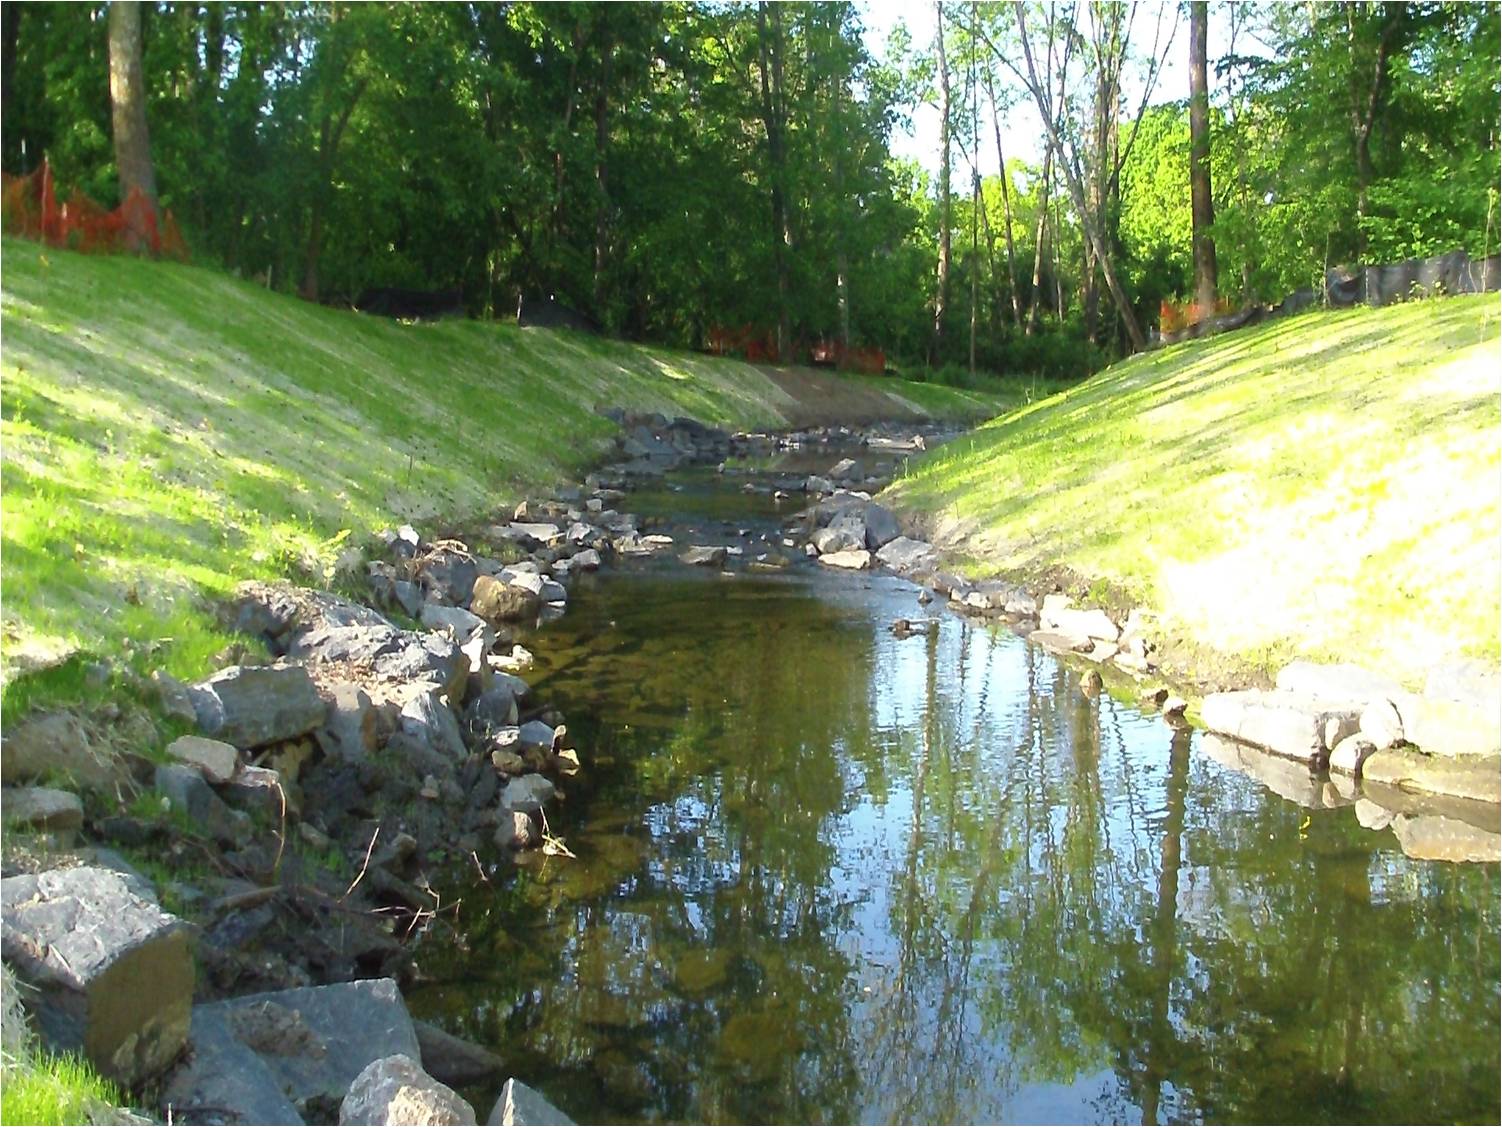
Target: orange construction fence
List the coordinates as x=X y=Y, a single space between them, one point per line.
x=29 y=209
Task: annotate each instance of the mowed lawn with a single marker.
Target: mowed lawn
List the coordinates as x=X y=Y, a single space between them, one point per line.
x=1325 y=486
x=168 y=431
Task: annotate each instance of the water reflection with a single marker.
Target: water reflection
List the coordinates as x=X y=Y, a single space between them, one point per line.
x=827 y=875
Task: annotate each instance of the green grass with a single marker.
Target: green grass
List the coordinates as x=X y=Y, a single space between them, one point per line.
x=1325 y=486
x=168 y=431
x=43 y=1088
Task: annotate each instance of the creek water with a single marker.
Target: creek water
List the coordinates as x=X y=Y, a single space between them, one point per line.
x=825 y=874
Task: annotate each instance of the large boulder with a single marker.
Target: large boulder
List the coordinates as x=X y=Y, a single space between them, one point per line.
x=844 y=534
x=458 y=623
x=290 y=1055
x=113 y=972
x=1441 y=726
x=1057 y=615
x=395 y=1090
x=387 y=653
x=251 y=706
x=1289 y=724
x=498 y=601
x=54 y=745
x=881 y=526
x=906 y=555
x=521 y=1106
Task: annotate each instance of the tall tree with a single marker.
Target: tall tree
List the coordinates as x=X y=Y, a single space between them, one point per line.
x=1006 y=200
x=774 y=118
x=128 y=113
x=1202 y=202
x=946 y=250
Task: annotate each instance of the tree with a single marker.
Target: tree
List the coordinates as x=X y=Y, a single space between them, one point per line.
x=1199 y=163
x=941 y=282
x=128 y=115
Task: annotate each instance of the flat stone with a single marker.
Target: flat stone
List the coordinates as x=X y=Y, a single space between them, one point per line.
x=538 y=532
x=290 y=1047
x=526 y=794
x=251 y=706
x=858 y=560
x=395 y=1090
x=114 y=973
x=1477 y=778
x=216 y=760
x=701 y=555
x=521 y=1106
x=1433 y=837
x=1059 y=643
x=458 y=622
x=1083 y=623
x=44 y=809
x=1286 y=723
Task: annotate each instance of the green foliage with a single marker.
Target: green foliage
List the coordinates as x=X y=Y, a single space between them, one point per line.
x=46 y=1088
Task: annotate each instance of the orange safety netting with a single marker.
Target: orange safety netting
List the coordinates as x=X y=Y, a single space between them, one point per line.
x=29 y=209
x=1174 y=315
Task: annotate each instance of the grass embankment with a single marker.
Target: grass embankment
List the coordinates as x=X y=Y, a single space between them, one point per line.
x=1326 y=486
x=168 y=431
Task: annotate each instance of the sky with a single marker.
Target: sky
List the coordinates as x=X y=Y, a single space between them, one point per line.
x=1021 y=128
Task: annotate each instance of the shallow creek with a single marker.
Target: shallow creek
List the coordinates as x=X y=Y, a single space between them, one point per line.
x=825 y=874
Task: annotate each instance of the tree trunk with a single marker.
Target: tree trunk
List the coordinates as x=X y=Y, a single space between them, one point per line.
x=1201 y=201
x=1038 y=231
x=946 y=250
x=1006 y=203
x=1364 y=114
x=772 y=119
x=128 y=117
x=602 y=199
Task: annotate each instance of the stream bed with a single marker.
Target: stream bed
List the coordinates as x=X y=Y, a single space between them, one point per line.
x=827 y=874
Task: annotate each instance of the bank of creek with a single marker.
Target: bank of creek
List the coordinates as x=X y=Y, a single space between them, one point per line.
x=837 y=852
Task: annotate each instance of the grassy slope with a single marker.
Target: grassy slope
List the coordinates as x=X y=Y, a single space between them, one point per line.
x=1326 y=486
x=168 y=431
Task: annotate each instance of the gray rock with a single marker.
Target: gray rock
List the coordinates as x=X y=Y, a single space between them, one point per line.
x=499 y=601
x=881 y=526
x=552 y=591
x=350 y=730
x=537 y=532
x=251 y=706
x=1055 y=642
x=426 y=717
x=516 y=830
x=1350 y=754
x=55 y=744
x=1289 y=724
x=186 y=789
x=1450 y=727
x=521 y=1106
x=844 y=534
x=256 y=789
x=263 y=1057
x=389 y=654
x=526 y=794
x=449 y=575
x=1056 y=615
x=1433 y=837
x=587 y=560
x=815 y=484
x=1475 y=778
x=1373 y=815
x=1381 y=724
x=43 y=809
x=704 y=556
x=534 y=733
x=408 y=596
x=454 y=1060
x=114 y=973
x=395 y=1090
x=492 y=710
x=848 y=560
x=845 y=469
x=215 y=760
x=173 y=696
x=906 y=555
x=458 y=622
x=1343 y=682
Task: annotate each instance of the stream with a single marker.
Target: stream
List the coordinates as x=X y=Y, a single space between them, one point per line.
x=827 y=874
